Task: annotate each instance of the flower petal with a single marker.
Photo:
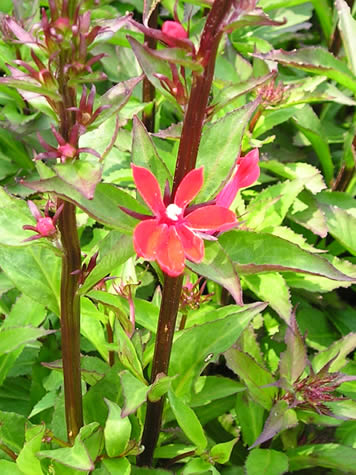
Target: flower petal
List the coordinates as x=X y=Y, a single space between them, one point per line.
x=170 y=253
x=145 y=238
x=189 y=187
x=148 y=188
x=193 y=245
x=247 y=173
x=211 y=218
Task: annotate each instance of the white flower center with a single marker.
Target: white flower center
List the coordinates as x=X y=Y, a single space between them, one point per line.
x=173 y=212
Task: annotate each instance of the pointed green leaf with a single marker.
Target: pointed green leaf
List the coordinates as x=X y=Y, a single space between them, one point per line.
x=347 y=28
x=332 y=456
x=256 y=252
x=316 y=60
x=195 y=346
x=135 y=392
x=188 y=421
x=221 y=452
x=117 y=430
x=35 y=271
x=12 y=338
x=117 y=466
x=27 y=460
x=219 y=148
x=266 y=461
x=253 y=375
x=338 y=350
x=251 y=416
x=82 y=175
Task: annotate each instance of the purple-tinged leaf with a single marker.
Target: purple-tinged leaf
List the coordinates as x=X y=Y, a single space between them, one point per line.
x=255 y=17
x=253 y=375
x=28 y=84
x=172 y=132
x=81 y=175
x=260 y=252
x=280 y=418
x=338 y=350
x=251 y=417
x=294 y=360
x=117 y=97
x=22 y=35
x=135 y=392
x=316 y=60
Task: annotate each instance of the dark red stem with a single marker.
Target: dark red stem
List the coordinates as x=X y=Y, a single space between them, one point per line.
x=187 y=155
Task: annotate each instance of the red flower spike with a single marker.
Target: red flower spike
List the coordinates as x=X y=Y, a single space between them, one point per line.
x=173 y=233
x=246 y=174
x=173 y=30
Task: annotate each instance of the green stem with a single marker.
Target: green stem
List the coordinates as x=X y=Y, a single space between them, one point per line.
x=187 y=155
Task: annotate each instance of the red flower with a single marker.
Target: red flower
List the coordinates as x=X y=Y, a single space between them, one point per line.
x=175 y=233
x=173 y=30
x=247 y=173
x=46 y=225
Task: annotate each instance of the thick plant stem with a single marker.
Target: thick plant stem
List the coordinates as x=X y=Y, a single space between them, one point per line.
x=70 y=321
x=166 y=325
x=187 y=155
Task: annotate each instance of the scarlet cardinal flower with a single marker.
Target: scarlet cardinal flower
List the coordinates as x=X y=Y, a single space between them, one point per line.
x=175 y=232
x=46 y=225
x=173 y=30
x=247 y=172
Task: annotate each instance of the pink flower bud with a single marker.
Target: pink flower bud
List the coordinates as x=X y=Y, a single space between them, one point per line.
x=45 y=226
x=174 y=30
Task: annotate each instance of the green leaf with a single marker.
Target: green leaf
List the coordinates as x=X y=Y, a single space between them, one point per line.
x=272 y=288
x=347 y=28
x=81 y=175
x=256 y=252
x=332 y=456
x=127 y=353
x=117 y=466
x=76 y=457
x=316 y=60
x=35 y=271
x=280 y=418
x=14 y=213
x=194 y=347
x=271 y=118
x=294 y=360
x=9 y=468
x=144 y=153
x=188 y=421
x=92 y=328
x=210 y=388
x=309 y=124
x=27 y=460
x=266 y=461
x=221 y=452
x=338 y=350
x=115 y=249
x=270 y=207
x=218 y=267
x=12 y=430
x=12 y=338
x=117 y=430
x=343 y=409
x=30 y=86
x=219 y=148
x=251 y=416
x=135 y=392
x=253 y=375
x=25 y=311
x=104 y=207
x=160 y=387
x=306 y=212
